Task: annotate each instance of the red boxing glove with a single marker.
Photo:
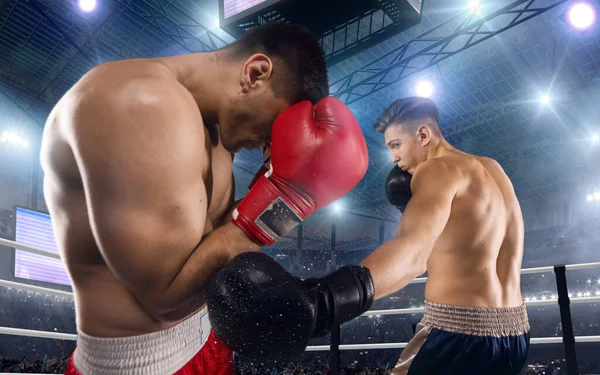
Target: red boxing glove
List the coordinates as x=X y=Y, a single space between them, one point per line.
x=318 y=154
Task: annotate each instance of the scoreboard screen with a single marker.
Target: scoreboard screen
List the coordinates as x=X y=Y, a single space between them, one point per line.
x=35 y=229
x=233 y=8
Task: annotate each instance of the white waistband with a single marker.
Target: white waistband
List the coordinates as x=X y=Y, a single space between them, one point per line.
x=156 y=353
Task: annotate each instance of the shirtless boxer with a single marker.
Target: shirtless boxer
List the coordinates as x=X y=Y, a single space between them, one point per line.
x=138 y=180
x=463 y=225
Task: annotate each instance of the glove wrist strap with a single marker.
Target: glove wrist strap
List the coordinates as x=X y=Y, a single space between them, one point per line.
x=342 y=295
x=271 y=209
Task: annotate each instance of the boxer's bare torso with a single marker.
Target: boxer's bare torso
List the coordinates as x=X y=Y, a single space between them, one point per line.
x=105 y=306
x=476 y=260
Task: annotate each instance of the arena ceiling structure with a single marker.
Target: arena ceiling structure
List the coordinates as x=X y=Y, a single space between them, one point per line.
x=513 y=80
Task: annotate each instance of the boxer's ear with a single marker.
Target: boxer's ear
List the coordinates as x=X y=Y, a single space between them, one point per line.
x=424 y=133
x=257 y=70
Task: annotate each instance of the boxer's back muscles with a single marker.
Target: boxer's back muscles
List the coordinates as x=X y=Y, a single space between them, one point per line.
x=133 y=184
x=476 y=260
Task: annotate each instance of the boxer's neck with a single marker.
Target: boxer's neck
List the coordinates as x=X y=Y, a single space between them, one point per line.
x=438 y=148
x=206 y=78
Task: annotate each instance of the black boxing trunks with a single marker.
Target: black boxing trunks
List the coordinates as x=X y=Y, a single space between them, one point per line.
x=455 y=340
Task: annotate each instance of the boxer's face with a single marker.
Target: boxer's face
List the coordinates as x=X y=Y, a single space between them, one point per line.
x=406 y=147
x=248 y=116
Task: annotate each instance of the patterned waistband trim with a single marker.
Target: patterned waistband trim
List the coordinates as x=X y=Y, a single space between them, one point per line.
x=477 y=321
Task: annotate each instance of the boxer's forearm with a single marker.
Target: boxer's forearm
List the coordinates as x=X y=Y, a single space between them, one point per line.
x=396 y=263
x=184 y=294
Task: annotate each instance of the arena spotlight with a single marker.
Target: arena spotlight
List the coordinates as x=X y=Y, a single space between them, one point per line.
x=87 y=5
x=597 y=195
x=424 y=89
x=545 y=99
x=590 y=197
x=581 y=16
x=595 y=139
x=14 y=139
x=474 y=6
x=337 y=207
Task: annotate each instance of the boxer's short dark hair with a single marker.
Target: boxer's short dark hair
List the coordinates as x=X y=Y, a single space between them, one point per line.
x=409 y=113
x=298 y=50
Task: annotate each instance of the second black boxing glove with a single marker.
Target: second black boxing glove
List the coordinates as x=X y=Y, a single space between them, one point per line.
x=397 y=188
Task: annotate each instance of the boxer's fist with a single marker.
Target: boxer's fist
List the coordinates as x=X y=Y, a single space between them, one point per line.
x=397 y=188
x=318 y=154
x=262 y=312
x=258 y=309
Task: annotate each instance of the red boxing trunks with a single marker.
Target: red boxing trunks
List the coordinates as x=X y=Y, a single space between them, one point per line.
x=188 y=348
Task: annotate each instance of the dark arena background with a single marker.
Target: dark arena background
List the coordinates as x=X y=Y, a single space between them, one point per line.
x=518 y=81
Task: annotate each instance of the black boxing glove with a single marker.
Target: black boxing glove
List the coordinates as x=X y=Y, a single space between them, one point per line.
x=397 y=188
x=262 y=312
x=341 y=296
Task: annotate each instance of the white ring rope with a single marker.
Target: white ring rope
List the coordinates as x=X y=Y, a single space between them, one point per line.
x=547 y=302
x=393 y=345
x=402 y=345
x=33 y=288
x=28 y=248
x=38 y=334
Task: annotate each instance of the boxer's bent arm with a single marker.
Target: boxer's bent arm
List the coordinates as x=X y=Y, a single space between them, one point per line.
x=141 y=158
x=394 y=264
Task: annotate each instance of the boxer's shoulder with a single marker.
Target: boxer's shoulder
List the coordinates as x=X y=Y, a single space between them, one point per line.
x=434 y=170
x=125 y=86
x=116 y=97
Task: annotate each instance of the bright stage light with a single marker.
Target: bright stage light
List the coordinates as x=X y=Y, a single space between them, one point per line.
x=424 y=89
x=545 y=99
x=581 y=16
x=337 y=207
x=474 y=6
x=597 y=195
x=590 y=197
x=14 y=139
x=87 y=5
x=595 y=139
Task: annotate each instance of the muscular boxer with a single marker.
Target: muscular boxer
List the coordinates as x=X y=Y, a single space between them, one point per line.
x=462 y=224
x=138 y=180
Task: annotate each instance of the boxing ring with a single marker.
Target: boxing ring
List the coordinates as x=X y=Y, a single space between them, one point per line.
x=564 y=300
